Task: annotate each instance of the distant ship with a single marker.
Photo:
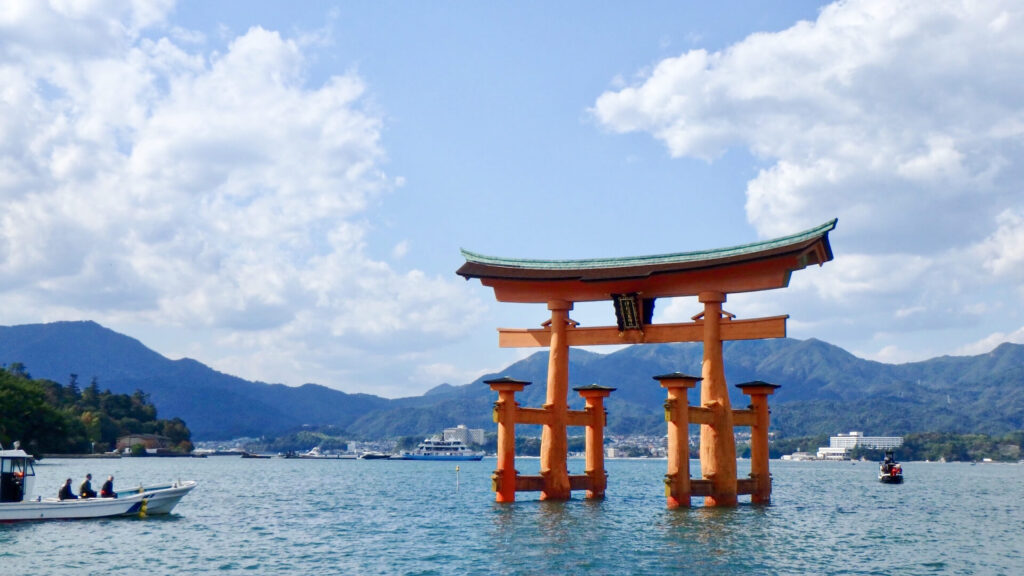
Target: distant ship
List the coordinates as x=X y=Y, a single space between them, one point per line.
x=315 y=454
x=438 y=449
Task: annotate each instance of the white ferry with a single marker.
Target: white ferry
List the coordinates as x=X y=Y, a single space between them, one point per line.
x=437 y=449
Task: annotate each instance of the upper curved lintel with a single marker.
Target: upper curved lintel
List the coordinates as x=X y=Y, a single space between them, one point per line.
x=480 y=266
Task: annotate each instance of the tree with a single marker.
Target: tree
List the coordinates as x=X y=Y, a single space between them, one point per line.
x=18 y=369
x=26 y=415
x=91 y=396
x=141 y=408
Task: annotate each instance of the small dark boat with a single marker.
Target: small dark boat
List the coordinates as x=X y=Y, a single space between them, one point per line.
x=254 y=455
x=890 y=471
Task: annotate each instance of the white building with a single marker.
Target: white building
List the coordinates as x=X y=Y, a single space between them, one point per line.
x=465 y=435
x=839 y=445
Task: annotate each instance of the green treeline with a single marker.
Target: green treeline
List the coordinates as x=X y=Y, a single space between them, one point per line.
x=934 y=446
x=47 y=417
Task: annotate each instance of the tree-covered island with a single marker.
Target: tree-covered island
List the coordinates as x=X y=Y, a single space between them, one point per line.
x=47 y=417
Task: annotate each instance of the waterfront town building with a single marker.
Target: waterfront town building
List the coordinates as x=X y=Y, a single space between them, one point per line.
x=464 y=435
x=839 y=446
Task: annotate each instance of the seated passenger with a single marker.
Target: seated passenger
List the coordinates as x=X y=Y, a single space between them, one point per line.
x=85 y=490
x=65 y=492
x=107 y=490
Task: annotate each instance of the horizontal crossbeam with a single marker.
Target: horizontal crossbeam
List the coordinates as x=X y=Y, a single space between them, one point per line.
x=701 y=487
x=536 y=483
x=744 y=418
x=700 y=415
x=532 y=416
x=579 y=418
x=751 y=329
x=543 y=416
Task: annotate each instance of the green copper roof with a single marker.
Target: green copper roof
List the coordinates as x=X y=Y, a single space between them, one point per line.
x=475 y=261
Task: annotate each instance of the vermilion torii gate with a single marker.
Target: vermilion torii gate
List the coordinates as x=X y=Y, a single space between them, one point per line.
x=633 y=284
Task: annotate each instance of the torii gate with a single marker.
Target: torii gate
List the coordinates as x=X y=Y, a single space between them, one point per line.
x=633 y=284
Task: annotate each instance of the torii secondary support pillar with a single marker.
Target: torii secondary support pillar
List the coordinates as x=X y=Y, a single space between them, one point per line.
x=759 y=392
x=595 y=395
x=677 y=414
x=504 y=477
x=717 y=442
x=554 y=441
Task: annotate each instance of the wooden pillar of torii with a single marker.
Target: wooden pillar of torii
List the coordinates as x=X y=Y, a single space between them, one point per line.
x=679 y=487
x=507 y=413
x=633 y=284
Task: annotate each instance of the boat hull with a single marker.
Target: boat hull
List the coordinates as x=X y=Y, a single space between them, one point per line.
x=453 y=457
x=53 y=509
x=162 y=499
x=890 y=479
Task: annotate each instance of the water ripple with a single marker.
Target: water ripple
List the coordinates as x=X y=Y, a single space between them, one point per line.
x=382 y=517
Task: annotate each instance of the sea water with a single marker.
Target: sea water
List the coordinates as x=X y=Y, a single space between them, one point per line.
x=286 y=516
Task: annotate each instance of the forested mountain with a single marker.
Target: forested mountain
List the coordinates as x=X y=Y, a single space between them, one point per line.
x=213 y=404
x=824 y=388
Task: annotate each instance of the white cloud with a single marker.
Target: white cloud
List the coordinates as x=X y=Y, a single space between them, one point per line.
x=441 y=372
x=903 y=119
x=1002 y=253
x=891 y=355
x=991 y=341
x=400 y=250
x=145 y=182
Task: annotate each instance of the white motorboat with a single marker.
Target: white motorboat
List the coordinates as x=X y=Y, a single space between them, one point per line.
x=439 y=449
x=17 y=480
x=315 y=454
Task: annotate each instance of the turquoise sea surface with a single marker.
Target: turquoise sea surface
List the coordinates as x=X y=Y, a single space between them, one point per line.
x=281 y=516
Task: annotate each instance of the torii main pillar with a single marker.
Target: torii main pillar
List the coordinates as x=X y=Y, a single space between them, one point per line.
x=717 y=442
x=554 y=441
x=633 y=284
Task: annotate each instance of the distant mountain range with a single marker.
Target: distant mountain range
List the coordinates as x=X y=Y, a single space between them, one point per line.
x=825 y=389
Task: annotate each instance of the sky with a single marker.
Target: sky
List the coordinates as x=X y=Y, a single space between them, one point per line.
x=281 y=190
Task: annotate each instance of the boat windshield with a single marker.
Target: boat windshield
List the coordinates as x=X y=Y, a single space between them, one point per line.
x=17 y=466
x=14 y=474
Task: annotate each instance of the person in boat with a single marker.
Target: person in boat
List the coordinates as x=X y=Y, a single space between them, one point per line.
x=107 y=490
x=85 y=490
x=65 y=492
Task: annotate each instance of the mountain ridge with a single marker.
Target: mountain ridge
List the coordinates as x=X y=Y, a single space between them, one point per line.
x=825 y=389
